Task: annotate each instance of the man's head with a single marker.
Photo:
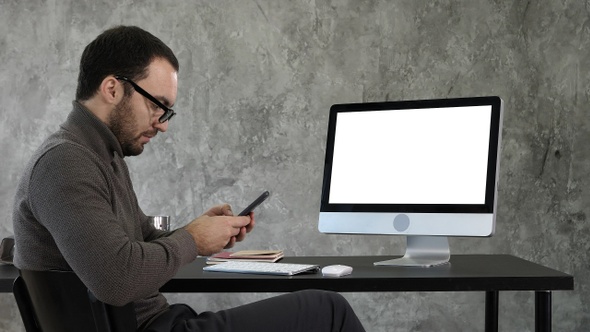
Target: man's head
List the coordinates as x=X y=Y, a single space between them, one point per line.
x=122 y=50
x=126 y=74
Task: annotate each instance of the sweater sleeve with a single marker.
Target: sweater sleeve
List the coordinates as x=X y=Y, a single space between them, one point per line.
x=73 y=194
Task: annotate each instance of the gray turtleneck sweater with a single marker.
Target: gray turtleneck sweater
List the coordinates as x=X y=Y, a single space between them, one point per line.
x=75 y=209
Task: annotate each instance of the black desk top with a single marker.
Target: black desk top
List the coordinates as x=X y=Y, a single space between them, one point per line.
x=463 y=273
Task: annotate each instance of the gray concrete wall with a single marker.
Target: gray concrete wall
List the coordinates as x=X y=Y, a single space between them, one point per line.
x=257 y=79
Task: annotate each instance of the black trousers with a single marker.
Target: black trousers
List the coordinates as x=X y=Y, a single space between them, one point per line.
x=303 y=311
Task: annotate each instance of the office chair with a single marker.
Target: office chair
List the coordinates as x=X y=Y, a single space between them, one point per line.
x=58 y=301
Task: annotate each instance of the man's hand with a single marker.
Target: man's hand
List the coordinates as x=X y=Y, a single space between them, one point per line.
x=218 y=229
x=220 y=210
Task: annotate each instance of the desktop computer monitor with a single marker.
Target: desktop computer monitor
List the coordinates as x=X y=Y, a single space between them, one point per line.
x=424 y=169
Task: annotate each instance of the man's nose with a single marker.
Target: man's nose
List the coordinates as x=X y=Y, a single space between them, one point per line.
x=161 y=126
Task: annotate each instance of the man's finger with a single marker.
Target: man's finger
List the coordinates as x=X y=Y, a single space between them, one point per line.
x=226 y=210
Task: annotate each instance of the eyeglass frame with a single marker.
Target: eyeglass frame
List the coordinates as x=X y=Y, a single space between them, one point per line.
x=168 y=112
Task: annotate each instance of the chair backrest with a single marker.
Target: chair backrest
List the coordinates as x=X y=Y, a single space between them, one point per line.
x=58 y=301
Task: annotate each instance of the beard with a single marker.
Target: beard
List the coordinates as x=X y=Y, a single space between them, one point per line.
x=123 y=124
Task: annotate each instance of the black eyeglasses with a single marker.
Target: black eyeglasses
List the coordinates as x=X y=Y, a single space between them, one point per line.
x=168 y=112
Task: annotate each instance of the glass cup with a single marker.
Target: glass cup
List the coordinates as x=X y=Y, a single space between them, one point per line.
x=160 y=222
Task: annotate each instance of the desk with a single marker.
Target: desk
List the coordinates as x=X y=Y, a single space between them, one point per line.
x=487 y=273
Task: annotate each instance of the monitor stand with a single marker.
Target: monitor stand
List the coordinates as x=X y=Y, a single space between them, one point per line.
x=422 y=251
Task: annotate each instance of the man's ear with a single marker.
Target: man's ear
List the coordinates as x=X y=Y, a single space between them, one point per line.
x=111 y=91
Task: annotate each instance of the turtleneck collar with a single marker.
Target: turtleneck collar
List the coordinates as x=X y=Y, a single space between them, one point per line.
x=92 y=132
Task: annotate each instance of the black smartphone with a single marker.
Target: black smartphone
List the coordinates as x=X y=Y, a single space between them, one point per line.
x=254 y=204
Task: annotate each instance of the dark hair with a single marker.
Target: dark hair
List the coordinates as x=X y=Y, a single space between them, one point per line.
x=121 y=50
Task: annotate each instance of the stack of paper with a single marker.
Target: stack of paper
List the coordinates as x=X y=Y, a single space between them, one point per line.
x=246 y=256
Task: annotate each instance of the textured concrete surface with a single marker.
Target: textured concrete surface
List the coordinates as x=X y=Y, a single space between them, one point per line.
x=257 y=79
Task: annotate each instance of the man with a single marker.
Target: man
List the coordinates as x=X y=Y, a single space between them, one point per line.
x=75 y=208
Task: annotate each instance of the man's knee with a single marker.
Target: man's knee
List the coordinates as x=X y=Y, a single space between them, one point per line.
x=322 y=296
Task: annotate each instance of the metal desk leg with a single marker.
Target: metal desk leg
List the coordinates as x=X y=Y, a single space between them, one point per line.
x=492 y=311
x=543 y=311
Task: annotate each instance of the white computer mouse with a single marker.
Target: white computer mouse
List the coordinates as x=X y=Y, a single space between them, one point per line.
x=336 y=270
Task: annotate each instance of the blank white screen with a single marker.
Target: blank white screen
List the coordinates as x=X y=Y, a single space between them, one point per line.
x=414 y=156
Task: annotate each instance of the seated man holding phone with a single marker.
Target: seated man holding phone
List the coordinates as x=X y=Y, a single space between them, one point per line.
x=75 y=208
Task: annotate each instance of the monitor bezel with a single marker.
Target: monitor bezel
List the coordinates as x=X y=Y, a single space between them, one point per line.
x=493 y=156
